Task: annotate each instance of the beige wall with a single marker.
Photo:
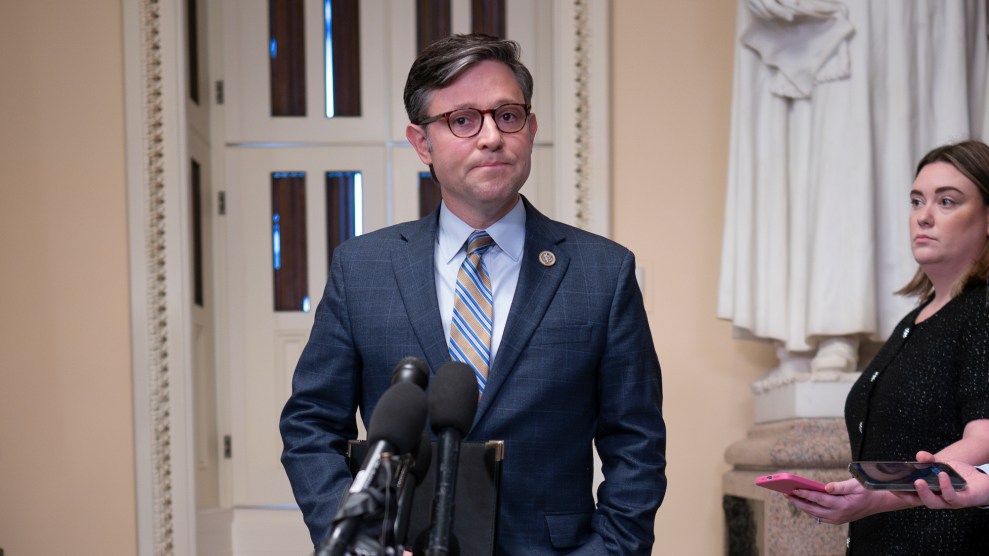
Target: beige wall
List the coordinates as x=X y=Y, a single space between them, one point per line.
x=671 y=101
x=66 y=448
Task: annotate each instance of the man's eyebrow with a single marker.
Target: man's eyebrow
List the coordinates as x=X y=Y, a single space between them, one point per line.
x=496 y=104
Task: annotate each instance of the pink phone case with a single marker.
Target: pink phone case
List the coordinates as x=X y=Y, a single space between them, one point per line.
x=786 y=483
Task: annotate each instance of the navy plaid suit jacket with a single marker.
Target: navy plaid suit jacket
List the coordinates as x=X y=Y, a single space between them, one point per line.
x=576 y=366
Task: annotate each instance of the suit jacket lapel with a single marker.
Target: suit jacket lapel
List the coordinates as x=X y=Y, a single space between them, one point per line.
x=417 y=286
x=536 y=287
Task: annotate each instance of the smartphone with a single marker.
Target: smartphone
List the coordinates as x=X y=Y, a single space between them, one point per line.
x=788 y=482
x=900 y=475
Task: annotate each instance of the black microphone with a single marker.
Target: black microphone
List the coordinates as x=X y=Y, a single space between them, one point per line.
x=411 y=369
x=395 y=428
x=414 y=371
x=411 y=477
x=423 y=458
x=452 y=402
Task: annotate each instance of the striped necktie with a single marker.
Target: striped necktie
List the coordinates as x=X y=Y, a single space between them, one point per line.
x=470 y=332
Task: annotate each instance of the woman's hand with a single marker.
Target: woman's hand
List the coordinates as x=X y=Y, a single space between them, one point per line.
x=843 y=502
x=976 y=492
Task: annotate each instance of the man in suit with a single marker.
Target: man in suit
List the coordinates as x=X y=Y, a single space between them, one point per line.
x=570 y=360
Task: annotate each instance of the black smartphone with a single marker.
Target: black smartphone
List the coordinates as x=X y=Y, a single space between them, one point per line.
x=900 y=475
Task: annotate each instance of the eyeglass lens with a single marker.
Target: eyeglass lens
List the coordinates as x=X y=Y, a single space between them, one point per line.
x=467 y=122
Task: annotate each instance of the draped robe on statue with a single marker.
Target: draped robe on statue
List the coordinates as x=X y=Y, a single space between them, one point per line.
x=833 y=105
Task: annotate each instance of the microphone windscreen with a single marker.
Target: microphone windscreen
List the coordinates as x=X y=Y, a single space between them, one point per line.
x=411 y=369
x=424 y=457
x=399 y=417
x=453 y=398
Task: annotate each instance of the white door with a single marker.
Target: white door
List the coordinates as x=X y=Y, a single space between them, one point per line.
x=269 y=341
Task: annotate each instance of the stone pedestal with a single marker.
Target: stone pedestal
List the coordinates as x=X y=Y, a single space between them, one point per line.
x=808 y=439
x=803 y=400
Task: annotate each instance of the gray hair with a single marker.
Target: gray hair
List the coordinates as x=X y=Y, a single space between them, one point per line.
x=446 y=59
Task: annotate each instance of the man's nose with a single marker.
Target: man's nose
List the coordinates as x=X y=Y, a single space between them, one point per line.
x=489 y=135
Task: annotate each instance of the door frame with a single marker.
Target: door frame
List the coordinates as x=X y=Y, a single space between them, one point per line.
x=158 y=224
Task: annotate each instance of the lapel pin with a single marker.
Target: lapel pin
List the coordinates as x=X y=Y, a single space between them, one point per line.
x=547 y=258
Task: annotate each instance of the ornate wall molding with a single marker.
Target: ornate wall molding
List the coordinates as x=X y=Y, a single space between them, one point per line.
x=154 y=181
x=157 y=295
x=581 y=111
x=155 y=259
x=583 y=163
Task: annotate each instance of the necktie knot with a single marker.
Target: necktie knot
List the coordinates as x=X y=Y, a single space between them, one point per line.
x=479 y=242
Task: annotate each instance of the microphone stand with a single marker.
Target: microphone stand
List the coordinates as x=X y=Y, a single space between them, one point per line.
x=365 y=523
x=406 y=490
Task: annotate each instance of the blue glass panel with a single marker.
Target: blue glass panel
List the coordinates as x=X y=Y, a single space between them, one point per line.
x=344 y=207
x=342 y=57
x=288 y=240
x=328 y=58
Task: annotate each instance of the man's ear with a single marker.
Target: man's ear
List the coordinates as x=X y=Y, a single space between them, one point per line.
x=416 y=135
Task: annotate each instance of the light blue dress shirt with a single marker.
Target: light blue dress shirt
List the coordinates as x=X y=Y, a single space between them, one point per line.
x=503 y=261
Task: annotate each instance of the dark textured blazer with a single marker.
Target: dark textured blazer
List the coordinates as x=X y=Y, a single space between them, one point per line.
x=929 y=380
x=576 y=366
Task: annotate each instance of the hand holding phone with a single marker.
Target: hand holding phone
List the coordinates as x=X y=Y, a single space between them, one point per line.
x=788 y=482
x=901 y=475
